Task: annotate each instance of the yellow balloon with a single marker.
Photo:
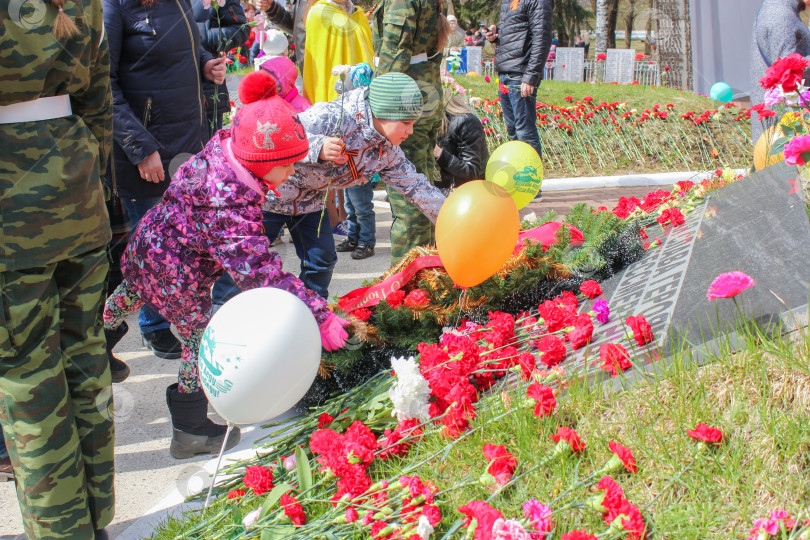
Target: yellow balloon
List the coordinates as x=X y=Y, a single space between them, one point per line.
x=762 y=149
x=476 y=231
x=516 y=167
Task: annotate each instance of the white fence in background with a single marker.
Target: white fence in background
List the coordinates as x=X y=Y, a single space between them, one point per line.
x=645 y=72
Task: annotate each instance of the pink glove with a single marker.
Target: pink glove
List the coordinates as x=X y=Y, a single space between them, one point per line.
x=333 y=336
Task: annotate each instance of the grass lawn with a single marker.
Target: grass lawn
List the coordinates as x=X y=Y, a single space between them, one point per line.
x=759 y=397
x=637 y=96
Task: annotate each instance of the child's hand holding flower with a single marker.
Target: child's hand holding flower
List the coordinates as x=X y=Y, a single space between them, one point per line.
x=332 y=150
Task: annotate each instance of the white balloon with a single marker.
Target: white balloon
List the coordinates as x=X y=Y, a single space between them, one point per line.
x=259 y=355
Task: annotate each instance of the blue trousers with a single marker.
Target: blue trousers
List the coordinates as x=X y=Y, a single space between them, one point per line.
x=316 y=251
x=3 y=451
x=360 y=214
x=519 y=112
x=149 y=320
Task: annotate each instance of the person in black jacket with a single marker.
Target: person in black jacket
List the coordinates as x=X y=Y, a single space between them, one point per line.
x=461 y=150
x=523 y=40
x=222 y=28
x=157 y=65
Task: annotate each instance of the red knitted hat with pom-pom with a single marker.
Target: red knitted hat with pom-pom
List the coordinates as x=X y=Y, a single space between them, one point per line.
x=266 y=132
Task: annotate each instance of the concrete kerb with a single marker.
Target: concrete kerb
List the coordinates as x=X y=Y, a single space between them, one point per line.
x=624 y=180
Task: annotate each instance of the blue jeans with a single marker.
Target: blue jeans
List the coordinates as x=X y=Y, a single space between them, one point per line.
x=3 y=451
x=360 y=210
x=519 y=112
x=149 y=320
x=316 y=251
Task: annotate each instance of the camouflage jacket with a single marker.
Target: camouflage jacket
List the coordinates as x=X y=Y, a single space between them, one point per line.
x=405 y=28
x=304 y=191
x=51 y=198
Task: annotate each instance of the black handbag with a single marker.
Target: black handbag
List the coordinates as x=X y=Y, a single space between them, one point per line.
x=121 y=228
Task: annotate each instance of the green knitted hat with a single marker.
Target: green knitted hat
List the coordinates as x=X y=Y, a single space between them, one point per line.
x=395 y=96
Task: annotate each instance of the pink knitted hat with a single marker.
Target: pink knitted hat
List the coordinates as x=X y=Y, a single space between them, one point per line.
x=266 y=132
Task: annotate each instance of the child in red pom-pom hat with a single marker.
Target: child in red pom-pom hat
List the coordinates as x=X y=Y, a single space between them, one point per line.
x=209 y=222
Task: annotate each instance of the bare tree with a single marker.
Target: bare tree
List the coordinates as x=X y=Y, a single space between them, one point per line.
x=612 y=20
x=629 y=19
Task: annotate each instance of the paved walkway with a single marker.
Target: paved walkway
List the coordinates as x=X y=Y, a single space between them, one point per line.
x=148 y=481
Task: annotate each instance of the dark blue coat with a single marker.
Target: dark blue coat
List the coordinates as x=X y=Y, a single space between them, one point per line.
x=156 y=72
x=221 y=29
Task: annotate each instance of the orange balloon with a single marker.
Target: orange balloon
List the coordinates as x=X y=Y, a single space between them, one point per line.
x=476 y=231
x=762 y=150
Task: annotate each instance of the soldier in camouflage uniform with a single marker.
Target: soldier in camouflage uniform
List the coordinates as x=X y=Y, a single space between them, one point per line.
x=55 y=394
x=406 y=39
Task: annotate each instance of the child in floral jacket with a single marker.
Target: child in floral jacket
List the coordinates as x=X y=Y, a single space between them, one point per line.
x=208 y=223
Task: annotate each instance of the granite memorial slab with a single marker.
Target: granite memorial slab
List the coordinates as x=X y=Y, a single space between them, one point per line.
x=569 y=64
x=757 y=225
x=620 y=65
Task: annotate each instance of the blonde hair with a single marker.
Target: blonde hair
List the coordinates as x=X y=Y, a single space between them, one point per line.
x=63 y=26
x=455 y=105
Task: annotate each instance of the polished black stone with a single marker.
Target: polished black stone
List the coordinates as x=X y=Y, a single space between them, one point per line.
x=757 y=225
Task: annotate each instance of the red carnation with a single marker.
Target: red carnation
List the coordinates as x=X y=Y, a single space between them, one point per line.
x=502 y=465
x=600 y=57
x=259 y=479
x=552 y=350
x=707 y=434
x=626 y=206
x=363 y=314
x=590 y=288
x=624 y=453
x=583 y=331
x=544 y=398
x=642 y=331
x=416 y=298
x=553 y=317
x=787 y=72
x=614 y=359
x=672 y=215
x=236 y=494
x=395 y=298
x=324 y=420
x=571 y=437
x=293 y=510
x=483 y=514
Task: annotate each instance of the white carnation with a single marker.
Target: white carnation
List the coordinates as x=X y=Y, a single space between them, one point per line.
x=251 y=518
x=423 y=528
x=530 y=217
x=411 y=391
x=337 y=71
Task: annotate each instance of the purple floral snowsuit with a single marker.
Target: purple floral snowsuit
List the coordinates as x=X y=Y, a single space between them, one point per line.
x=209 y=222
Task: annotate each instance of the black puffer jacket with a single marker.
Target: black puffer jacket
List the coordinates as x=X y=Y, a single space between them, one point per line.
x=464 y=151
x=156 y=71
x=524 y=39
x=221 y=29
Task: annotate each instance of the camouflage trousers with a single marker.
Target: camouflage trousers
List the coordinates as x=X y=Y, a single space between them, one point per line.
x=56 y=397
x=410 y=228
x=124 y=301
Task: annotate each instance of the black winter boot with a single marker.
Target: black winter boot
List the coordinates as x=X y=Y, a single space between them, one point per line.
x=118 y=368
x=193 y=433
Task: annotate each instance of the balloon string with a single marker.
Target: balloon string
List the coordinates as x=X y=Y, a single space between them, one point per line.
x=461 y=299
x=219 y=462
